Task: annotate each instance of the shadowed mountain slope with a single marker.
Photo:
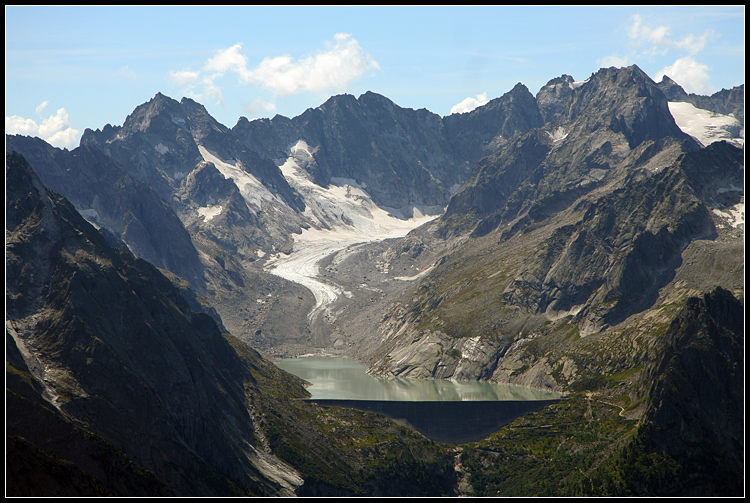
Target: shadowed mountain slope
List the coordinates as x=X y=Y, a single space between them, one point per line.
x=112 y=345
x=112 y=199
x=115 y=386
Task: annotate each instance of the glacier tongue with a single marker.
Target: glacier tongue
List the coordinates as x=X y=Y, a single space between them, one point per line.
x=340 y=217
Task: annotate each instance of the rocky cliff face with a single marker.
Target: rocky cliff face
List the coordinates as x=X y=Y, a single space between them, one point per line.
x=603 y=127
x=164 y=141
x=396 y=153
x=110 y=198
x=554 y=97
x=403 y=157
x=159 y=143
x=111 y=349
x=487 y=128
x=574 y=233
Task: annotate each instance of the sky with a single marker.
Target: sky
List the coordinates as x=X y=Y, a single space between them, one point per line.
x=68 y=68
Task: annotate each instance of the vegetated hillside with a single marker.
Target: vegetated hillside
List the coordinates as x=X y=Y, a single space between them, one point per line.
x=115 y=353
x=115 y=386
x=688 y=441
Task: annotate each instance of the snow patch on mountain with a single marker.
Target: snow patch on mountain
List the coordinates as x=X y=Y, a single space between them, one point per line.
x=577 y=84
x=558 y=134
x=209 y=212
x=735 y=215
x=706 y=126
x=254 y=192
x=344 y=206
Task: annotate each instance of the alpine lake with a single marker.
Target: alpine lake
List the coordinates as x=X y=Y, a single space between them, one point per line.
x=443 y=410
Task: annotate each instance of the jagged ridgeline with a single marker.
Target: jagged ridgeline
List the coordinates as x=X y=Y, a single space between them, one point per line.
x=587 y=240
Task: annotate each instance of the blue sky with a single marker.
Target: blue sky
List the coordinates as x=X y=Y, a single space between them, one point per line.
x=71 y=68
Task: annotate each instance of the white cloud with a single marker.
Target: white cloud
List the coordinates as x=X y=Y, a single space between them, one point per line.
x=55 y=129
x=614 y=60
x=324 y=72
x=196 y=86
x=41 y=107
x=226 y=60
x=648 y=42
x=691 y=75
x=327 y=71
x=211 y=90
x=126 y=72
x=259 y=106
x=185 y=78
x=660 y=41
x=470 y=104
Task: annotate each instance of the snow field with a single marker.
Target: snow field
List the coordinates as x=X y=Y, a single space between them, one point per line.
x=250 y=187
x=705 y=126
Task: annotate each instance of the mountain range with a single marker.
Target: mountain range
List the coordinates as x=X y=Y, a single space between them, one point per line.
x=587 y=240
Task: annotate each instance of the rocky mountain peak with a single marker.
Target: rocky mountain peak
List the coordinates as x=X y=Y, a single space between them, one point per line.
x=598 y=123
x=372 y=102
x=487 y=128
x=554 y=97
x=626 y=101
x=338 y=102
x=672 y=90
x=519 y=89
x=200 y=121
x=23 y=189
x=159 y=111
x=371 y=96
x=562 y=79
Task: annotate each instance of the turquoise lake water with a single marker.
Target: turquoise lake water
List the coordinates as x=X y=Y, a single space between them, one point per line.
x=336 y=377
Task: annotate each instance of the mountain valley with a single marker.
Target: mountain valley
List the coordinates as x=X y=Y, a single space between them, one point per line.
x=588 y=240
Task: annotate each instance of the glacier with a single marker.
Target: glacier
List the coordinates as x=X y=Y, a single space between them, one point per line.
x=706 y=126
x=341 y=216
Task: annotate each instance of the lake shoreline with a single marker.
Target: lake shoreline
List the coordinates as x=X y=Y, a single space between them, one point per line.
x=343 y=378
